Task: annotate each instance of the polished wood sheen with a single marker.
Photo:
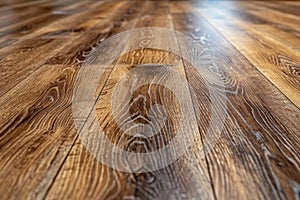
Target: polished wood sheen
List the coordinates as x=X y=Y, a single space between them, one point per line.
x=254 y=46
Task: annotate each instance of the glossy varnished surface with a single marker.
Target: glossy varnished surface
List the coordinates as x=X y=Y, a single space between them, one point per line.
x=253 y=46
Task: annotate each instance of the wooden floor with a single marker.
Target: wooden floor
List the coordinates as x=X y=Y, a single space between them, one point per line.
x=253 y=45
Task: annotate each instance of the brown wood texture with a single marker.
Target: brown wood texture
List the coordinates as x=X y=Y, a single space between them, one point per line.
x=254 y=47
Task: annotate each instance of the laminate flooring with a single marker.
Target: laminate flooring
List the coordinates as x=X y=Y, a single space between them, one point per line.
x=252 y=47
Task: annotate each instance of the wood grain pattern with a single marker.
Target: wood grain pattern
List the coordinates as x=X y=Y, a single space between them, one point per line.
x=52 y=95
x=255 y=134
x=275 y=54
x=161 y=184
x=253 y=47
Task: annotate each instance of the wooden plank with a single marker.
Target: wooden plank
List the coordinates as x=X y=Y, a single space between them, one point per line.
x=35 y=140
x=263 y=25
x=181 y=179
x=276 y=17
x=37 y=134
x=63 y=19
x=287 y=9
x=18 y=61
x=276 y=61
x=257 y=156
x=72 y=16
x=6 y=7
x=30 y=24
